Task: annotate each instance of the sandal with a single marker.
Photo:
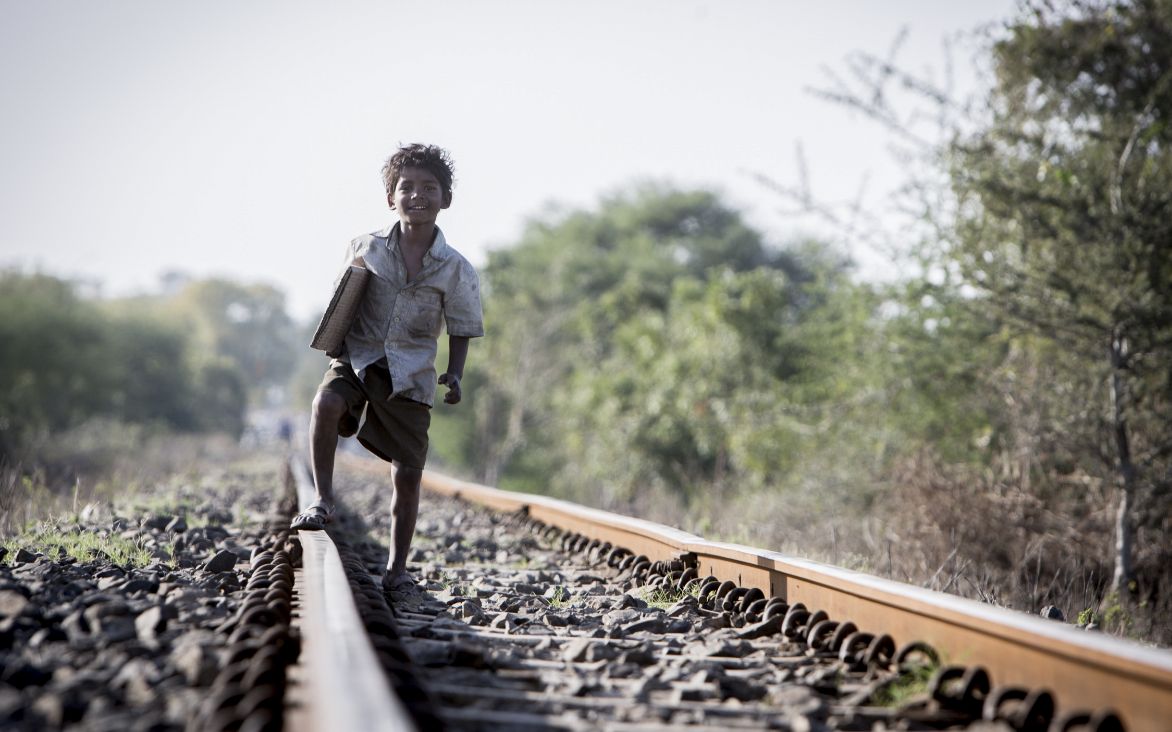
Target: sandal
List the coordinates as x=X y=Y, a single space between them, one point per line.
x=402 y=586
x=314 y=517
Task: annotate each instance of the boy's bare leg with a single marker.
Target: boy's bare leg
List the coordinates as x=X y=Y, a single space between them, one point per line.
x=404 y=511
x=328 y=409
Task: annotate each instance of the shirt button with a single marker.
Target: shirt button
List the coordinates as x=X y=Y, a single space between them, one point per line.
x=396 y=318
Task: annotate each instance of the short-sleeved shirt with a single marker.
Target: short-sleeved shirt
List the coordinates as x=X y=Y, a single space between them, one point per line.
x=399 y=319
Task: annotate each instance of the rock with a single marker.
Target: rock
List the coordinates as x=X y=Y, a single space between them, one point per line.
x=114 y=630
x=643 y=656
x=575 y=650
x=21 y=675
x=177 y=525
x=23 y=556
x=469 y=609
x=193 y=661
x=653 y=624
x=76 y=626
x=136 y=679
x=52 y=634
x=107 y=607
x=1052 y=613
x=51 y=709
x=150 y=623
x=554 y=620
x=764 y=628
x=630 y=601
x=601 y=652
x=12 y=603
x=132 y=586
x=729 y=649
x=622 y=617
x=797 y=699
x=508 y=621
x=157 y=522
x=223 y=561
x=740 y=689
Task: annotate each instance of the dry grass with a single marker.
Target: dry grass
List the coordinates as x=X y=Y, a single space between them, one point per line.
x=101 y=462
x=986 y=536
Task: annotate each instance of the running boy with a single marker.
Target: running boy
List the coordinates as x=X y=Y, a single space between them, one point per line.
x=387 y=364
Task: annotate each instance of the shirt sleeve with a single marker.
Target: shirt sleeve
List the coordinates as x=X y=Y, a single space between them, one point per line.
x=351 y=252
x=462 y=310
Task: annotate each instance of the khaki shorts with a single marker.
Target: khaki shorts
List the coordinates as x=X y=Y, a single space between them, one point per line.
x=394 y=429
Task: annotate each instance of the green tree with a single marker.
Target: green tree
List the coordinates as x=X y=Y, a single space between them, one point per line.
x=554 y=301
x=247 y=324
x=1063 y=226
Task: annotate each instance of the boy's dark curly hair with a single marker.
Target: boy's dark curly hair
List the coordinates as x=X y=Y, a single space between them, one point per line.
x=432 y=158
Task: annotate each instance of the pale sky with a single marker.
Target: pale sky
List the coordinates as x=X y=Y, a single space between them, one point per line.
x=245 y=138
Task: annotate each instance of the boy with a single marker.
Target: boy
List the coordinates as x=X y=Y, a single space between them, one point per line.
x=387 y=363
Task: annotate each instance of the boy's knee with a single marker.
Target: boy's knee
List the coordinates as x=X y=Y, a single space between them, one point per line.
x=328 y=405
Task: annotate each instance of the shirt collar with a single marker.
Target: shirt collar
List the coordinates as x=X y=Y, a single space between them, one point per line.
x=439 y=246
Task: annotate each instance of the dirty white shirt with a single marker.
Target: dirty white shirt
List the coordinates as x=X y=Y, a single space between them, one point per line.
x=399 y=319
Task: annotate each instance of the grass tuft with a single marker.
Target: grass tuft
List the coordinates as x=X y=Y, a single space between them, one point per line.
x=53 y=540
x=910 y=684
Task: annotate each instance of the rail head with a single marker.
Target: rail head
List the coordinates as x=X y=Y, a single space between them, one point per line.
x=1083 y=670
x=348 y=689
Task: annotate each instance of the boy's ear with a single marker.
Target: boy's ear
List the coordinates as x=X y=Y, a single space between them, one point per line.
x=447 y=199
x=391 y=201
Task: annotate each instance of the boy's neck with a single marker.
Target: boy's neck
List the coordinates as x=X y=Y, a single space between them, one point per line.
x=416 y=236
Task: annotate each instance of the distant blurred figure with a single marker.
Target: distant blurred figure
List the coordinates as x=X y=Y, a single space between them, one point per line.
x=285 y=430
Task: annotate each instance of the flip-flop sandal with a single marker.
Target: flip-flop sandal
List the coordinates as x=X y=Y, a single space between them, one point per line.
x=314 y=517
x=402 y=586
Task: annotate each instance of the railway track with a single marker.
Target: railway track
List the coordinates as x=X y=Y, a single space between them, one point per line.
x=539 y=614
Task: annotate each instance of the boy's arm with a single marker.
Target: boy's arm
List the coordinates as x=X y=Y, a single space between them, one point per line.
x=457 y=354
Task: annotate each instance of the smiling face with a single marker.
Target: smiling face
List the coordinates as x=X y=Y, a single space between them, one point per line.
x=418 y=196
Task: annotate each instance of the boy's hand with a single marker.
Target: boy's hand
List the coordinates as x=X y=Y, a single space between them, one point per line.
x=453 y=383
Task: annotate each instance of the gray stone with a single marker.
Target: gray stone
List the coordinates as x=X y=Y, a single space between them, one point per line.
x=655 y=625
x=1052 y=613
x=797 y=699
x=177 y=525
x=157 y=522
x=575 y=650
x=630 y=601
x=469 y=609
x=132 y=586
x=740 y=689
x=764 y=628
x=76 y=626
x=23 y=556
x=507 y=621
x=150 y=623
x=601 y=652
x=554 y=620
x=113 y=629
x=223 y=561
x=622 y=617
x=137 y=679
x=53 y=634
x=194 y=663
x=12 y=603
x=107 y=607
x=51 y=710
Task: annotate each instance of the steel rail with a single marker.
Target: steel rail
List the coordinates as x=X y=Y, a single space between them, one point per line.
x=348 y=689
x=1082 y=670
